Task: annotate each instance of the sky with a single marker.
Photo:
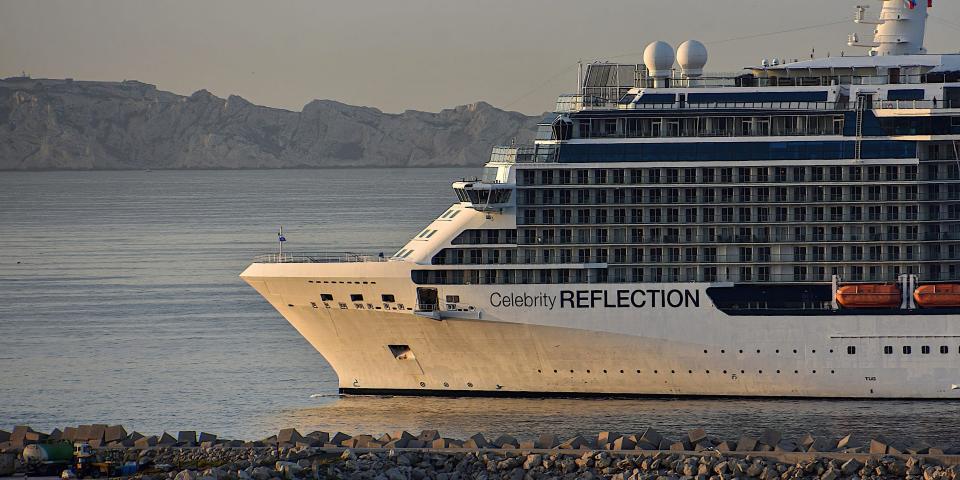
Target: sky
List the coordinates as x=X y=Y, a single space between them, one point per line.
x=397 y=55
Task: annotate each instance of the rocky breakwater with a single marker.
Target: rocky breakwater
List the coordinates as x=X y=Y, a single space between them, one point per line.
x=290 y=455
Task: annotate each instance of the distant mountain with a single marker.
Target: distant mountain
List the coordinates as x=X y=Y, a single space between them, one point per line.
x=74 y=125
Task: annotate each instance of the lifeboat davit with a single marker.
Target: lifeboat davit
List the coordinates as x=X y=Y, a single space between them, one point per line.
x=882 y=295
x=934 y=296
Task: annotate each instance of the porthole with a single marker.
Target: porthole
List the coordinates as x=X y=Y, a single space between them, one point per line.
x=760 y=372
x=555 y=371
x=690 y=372
x=834 y=372
x=907 y=350
x=588 y=371
x=723 y=351
x=604 y=371
x=814 y=371
x=708 y=372
x=813 y=351
x=796 y=371
x=758 y=350
x=831 y=350
x=944 y=349
x=704 y=351
x=925 y=350
x=423 y=384
x=794 y=351
x=724 y=372
x=446 y=385
x=778 y=371
x=851 y=350
x=741 y=351
x=742 y=372
x=888 y=350
x=673 y=371
x=621 y=371
x=470 y=385
x=638 y=371
x=655 y=371
x=778 y=350
x=571 y=371
x=539 y=371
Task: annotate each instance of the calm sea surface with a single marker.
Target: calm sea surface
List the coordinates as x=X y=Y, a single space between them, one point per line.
x=120 y=303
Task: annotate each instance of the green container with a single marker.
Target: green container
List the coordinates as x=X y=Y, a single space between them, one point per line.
x=48 y=452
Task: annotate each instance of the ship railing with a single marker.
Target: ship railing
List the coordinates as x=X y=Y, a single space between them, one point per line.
x=319 y=257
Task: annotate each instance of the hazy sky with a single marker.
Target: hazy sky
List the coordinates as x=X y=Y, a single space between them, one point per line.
x=405 y=54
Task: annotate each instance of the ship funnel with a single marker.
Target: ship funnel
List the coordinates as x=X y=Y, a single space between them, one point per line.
x=900 y=29
x=659 y=58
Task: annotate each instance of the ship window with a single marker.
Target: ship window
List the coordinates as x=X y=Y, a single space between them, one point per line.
x=851 y=350
x=356 y=297
x=907 y=350
x=944 y=349
x=888 y=350
x=386 y=297
x=925 y=350
x=453 y=298
x=326 y=297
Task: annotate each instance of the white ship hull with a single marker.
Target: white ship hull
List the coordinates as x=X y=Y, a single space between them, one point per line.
x=569 y=340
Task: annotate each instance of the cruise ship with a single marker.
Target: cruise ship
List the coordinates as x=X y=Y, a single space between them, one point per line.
x=792 y=230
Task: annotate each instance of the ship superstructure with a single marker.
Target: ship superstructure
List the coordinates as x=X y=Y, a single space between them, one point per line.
x=792 y=230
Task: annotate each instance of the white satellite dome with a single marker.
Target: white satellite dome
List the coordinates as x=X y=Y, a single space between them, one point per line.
x=692 y=57
x=659 y=58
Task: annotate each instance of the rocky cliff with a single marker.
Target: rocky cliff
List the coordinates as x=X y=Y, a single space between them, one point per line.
x=64 y=124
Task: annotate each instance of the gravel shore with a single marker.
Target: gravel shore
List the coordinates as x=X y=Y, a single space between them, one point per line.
x=290 y=455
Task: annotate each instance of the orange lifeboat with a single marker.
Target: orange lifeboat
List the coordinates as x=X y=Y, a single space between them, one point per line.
x=877 y=295
x=934 y=296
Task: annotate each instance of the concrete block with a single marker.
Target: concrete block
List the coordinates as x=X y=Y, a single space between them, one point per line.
x=441 y=443
x=695 y=436
x=166 y=440
x=478 y=440
x=402 y=434
x=763 y=447
x=895 y=448
x=96 y=442
x=135 y=436
x=785 y=446
x=363 y=441
x=506 y=441
x=69 y=433
x=4 y=436
x=770 y=437
x=547 y=441
x=145 y=442
x=97 y=432
x=678 y=447
x=746 y=444
x=289 y=436
x=725 y=447
x=527 y=444
x=397 y=443
x=624 y=443
x=83 y=433
x=322 y=437
x=338 y=438
x=935 y=451
x=806 y=441
x=385 y=438
x=703 y=445
x=665 y=444
x=428 y=435
x=651 y=437
x=187 y=437
x=843 y=442
x=575 y=443
x=643 y=445
x=207 y=437
x=270 y=441
x=55 y=435
x=114 y=433
x=415 y=443
x=821 y=445
x=607 y=437
x=878 y=447
x=454 y=443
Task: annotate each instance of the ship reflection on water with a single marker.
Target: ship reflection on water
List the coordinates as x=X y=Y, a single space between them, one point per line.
x=920 y=421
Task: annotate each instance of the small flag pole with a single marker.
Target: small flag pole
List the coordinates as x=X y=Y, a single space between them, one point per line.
x=280 y=241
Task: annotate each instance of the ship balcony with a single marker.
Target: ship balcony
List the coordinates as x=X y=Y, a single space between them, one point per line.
x=485 y=197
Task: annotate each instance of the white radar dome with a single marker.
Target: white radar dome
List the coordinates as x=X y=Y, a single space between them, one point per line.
x=692 y=57
x=659 y=58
